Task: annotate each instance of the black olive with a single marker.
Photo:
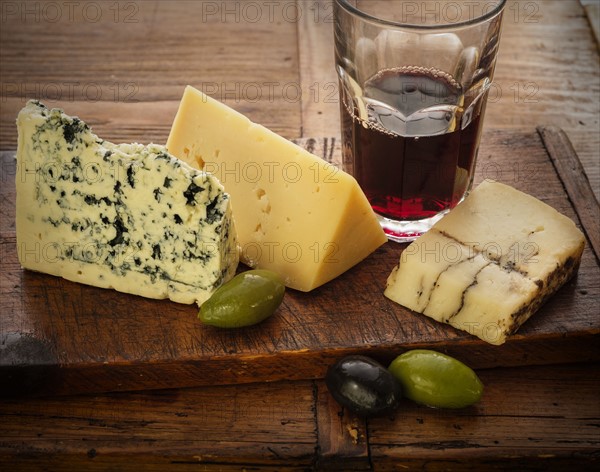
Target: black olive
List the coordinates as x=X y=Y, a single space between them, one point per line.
x=363 y=386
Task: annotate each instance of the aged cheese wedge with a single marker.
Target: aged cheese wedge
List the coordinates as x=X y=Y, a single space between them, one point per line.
x=127 y=216
x=489 y=264
x=295 y=213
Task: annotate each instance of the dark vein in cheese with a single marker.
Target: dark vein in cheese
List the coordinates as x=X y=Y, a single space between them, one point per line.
x=464 y=293
x=436 y=282
x=508 y=266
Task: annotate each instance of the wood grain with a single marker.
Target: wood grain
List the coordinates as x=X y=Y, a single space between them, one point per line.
x=132 y=93
x=269 y=425
x=535 y=418
x=343 y=441
x=592 y=11
x=534 y=433
x=546 y=73
x=87 y=339
x=318 y=78
x=127 y=77
x=575 y=180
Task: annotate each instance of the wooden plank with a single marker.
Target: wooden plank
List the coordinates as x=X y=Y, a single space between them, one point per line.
x=85 y=339
x=575 y=180
x=556 y=43
x=542 y=43
x=174 y=43
x=270 y=427
x=318 y=78
x=535 y=418
x=526 y=420
x=343 y=441
x=592 y=11
x=127 y=75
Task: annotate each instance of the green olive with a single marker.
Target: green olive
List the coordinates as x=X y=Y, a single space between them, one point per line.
x=247 y=299
x=435 y=379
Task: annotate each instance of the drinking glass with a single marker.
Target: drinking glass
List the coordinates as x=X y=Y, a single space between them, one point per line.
x=414 y=78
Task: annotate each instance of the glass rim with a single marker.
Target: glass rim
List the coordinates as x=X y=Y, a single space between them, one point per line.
x=396 y=24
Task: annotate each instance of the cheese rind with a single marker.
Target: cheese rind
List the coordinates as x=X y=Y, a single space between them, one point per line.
x=296 y=214
x=127 y=216
x=489 y=264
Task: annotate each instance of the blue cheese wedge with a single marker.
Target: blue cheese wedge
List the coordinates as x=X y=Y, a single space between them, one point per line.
x=123 y=216
x=489 y=264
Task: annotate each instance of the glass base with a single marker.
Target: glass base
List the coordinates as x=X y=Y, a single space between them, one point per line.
x=407 y=231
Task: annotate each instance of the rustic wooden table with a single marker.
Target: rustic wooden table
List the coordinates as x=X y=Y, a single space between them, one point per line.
x=122 y=65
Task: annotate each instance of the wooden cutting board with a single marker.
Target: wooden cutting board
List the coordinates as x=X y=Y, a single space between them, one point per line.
x=59 y=337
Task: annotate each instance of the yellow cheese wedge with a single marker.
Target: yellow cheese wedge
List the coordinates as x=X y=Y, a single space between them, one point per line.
x=295 y=213
x=489 y=264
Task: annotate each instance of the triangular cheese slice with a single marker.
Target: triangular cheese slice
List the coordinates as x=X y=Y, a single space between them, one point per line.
x=295 y=214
